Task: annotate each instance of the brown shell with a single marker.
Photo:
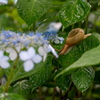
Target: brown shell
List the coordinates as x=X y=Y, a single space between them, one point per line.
x=73 y=32
x=75 y=36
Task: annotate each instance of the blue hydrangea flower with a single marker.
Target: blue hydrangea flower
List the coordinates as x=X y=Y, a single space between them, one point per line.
x=44 y=50
x=53 y=50
x=14 y=43
x=4 y=60
x=13 y=52
x=53 y=37
x=29 y=57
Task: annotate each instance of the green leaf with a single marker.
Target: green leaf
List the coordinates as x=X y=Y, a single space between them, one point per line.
x=99 y=4
x=89 y=58
x=83 y=78
x=7 y=22
x=1 y=89
x=1 y=72
x=63 y=82
x=76 y=52
x=32 y=10
x=94 y=2
x=41 y=75
x=97 y=13
x=19 y=72
x=73 y=11
x=10 y=96
x=3 y=8
x=96 y=34
x=22 y=88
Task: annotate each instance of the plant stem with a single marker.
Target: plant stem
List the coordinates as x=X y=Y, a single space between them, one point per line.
x=60 y=95
x=94 y=26
x=40 y=93
x=53 y=95
x=66 y=94
x=34 y=26
x=10 y=76
x=86 y=24
x=29 y=28
x=73 y=26
x=79 y=24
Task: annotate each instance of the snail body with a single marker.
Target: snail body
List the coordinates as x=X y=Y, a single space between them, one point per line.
x=74 y=37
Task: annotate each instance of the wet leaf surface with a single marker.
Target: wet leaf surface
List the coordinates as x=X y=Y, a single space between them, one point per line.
x=31 y=10
x=10 y=96
x=77 y=51
x=22 y=88
x=19 y=72
x=73 y=11
x=83 y=78
x=89 y=58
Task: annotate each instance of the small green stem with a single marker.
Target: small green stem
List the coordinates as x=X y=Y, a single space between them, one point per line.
x=86 y=24
x=10 y=76
x=34 y=26
x=79 y=24
x=73 y=26
x=66 y=94
x=94 y=26
x=9 y=80
x=29 y=28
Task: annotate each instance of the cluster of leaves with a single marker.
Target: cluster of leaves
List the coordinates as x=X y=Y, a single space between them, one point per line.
x=77 y=68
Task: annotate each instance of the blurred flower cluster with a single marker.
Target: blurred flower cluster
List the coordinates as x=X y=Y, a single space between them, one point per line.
x=51 y=33
x=30 y=48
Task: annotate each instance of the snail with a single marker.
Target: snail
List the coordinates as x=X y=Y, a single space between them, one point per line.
x=74 y=37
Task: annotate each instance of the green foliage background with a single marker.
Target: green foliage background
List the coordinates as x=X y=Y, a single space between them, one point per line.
x=74 y=75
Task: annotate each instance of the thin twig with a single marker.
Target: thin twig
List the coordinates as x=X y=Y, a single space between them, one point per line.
x=40 y=93
x=10 y=76
x=60 y=95
x=86 y=24
x=66 y=94
x=53 y=95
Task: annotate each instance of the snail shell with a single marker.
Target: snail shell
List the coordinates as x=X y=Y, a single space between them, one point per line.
x=75 y=36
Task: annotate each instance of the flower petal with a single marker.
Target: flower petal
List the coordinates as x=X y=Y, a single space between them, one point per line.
x=18 y=48
x=37 y=58
x=41 y=51
x=56 y=41
x=1 y=54
x=5 y=64
x=5 y=58
x=45 y=56
x=31 y=52
x=8 y=49
x=53 y=51
x=46 y=48
x=13 y=55
x=57 y=26
x=24 y=55
x=28 y=65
